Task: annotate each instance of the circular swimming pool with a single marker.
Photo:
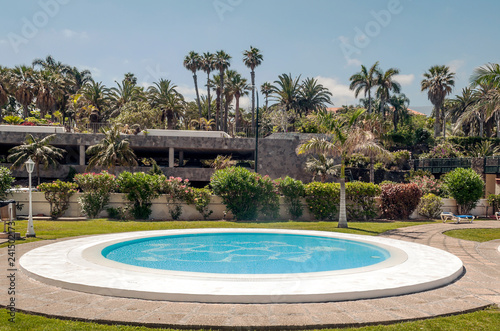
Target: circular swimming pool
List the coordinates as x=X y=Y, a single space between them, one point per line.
x=196 y=270
x=246 y=253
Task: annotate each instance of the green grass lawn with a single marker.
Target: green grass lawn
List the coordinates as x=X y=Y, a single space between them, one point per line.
x=488 y=319
x=480 y=235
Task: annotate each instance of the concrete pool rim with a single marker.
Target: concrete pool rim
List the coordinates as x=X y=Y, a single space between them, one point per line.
x=73 y=264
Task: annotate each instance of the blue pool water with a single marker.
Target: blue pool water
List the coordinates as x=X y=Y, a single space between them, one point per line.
x=246 y=253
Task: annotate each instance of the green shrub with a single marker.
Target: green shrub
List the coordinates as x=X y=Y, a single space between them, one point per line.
x=430 y=206
x=201 y=200
x=398 y=201
x=119 y=213
x=177 y=191
x=58 y=194
x=357 y=160
x=12 y=119
x=413 y=173
x=293 y=191
x=245 y=193
x=361 y=200
x=465 y=186
x=323 y=200
x=6 y=181
x=401 y=158
x=140 y=190
x=494 y=201
x=96 y=191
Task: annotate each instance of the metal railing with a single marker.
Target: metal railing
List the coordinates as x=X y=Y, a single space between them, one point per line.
x=441 y=166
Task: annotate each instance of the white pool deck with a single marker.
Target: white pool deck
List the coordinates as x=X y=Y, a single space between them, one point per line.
x=77 y=264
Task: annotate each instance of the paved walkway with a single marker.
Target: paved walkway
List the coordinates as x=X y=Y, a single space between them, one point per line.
x=479 y=287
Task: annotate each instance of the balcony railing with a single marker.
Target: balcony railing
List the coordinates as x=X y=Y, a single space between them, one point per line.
x=441 y=166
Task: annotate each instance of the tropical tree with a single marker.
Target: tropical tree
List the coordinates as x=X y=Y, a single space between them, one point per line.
x=97 y=95
x=163 y=94
x=39 y=150
x=385 y=85
x=364 y=81
x=485 y=105
x=228 y=94
x=111 y=151
x=239 y=87
x=126 y=92
x=321 y=166
x=221 y=63
x=286 y=91
x=50 y=64
x=207 y=65
x=399 y=103
x=24 y=87
x=438 y=82
x=266 y=90
x=252 y=58
x=4 y=87
x=192 y=62
x=313 y=96
x=204 y=124
x=78 y=79
x=344 y=137
x=489 y=72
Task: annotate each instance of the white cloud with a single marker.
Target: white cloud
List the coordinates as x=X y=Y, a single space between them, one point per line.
x=456 y=67
x=96 y=72
x=404 y=79
x=353 y=62
x=342 y=95
x=70 y=34
x=189 y=93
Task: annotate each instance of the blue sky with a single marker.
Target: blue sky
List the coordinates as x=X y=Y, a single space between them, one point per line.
x=326 y=39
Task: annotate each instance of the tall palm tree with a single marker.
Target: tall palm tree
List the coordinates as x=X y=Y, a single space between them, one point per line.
x=221 y=63
x=78 y=79
x=266 y=90
x=386 y=84
x=111 y=151
x=486 y=102
x=97 y=94
x=313 y=96
x=228 y=96
x=438 y=82
x=344 y=138
x=286 y=91
x=192 y=62
x=489 y=72
x=40 y=151
x=50 y=88
x=207 y=65
x=252 y=58
x=399 y=103
x=240 y=88
x=163 y=94
x=124 y=93
x=4 y=87
x=24 y=87
x=50 y=64
x=364 y=81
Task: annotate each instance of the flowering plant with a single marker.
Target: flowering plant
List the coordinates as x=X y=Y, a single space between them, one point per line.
x=445 y=150
x=429 y=184
x=96 y=190
x=177 y=191
x=58 y=194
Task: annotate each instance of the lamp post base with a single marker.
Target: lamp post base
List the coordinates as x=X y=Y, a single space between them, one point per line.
x=30 y=235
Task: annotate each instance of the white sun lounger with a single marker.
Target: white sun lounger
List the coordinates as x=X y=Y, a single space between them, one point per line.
x=457 y=218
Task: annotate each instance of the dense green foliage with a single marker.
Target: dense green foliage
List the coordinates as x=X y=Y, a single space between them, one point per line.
x=323 y=200
x=96 y=191
x=494 y=202
x=201 y=200
x=177 y=191
x=58 y=194
x=293 y=191
x=430 y=206
x=140 y=190
x=246 y=194
x=361 y=200
x=6 y=181
x=465 y=186
x=398 y=201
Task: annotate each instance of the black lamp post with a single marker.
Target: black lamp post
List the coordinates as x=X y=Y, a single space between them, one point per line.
x=257 y=134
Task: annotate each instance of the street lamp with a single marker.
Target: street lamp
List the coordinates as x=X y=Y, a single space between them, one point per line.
x=30 y=165
x=257 y=133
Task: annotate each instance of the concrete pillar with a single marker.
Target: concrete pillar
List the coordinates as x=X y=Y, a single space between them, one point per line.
x=170 y=157
x=82 y=154
x=181 y=158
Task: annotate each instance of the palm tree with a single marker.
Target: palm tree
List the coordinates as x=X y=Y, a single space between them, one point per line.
x=39 y=150
x=364 y=81
x=192 y=62
x=50 y=64
x=400 y=105
x=111 y=151
x=204 y=124
x=344 y=138
x=266 y=90
x=163 y=94
x=124 y=93
x=240 y=87
x=321 y=166
x=207 y=65
x=221 y=63
x=485 y=105
x=78 y=79
x=313 y=96
x=286 y=91
x=252 y=58
x=4 y=87
x=386 y=84
x=97 y=95
x=489 y=72
x=24 y=87
x=438 y=82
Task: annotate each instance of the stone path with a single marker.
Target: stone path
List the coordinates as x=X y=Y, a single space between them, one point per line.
x=477 y=288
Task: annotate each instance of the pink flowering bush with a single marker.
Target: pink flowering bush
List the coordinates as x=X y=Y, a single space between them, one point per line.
x=445 y=150
x=429 y=184
x=177 y=191
x=96 y=191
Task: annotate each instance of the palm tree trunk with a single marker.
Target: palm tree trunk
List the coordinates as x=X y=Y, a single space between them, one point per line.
x=369 y=102
x=226 y=113
x=342 y=211
x=252 y=75
x=208 y=96
x=217 y=111
x=443 y=117
x=237 y=113
x=437 y=126
x=197 y=94
x=38 y=171
x=221 y=73
x=372 y=171
x=497 y=118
